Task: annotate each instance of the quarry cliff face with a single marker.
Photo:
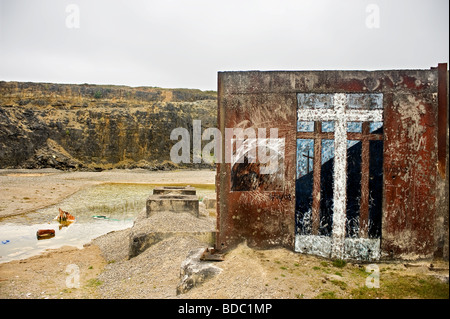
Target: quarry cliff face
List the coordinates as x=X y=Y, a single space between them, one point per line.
x=95 y=127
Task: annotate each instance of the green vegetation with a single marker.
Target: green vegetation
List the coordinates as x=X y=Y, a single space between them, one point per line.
x=340 y=284
x=326 y=295
x=399 y=287
x=93 y=283
x=339 y=263
x=98 y=94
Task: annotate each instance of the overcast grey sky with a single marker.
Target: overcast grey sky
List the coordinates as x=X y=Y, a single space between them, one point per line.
x=184 y=43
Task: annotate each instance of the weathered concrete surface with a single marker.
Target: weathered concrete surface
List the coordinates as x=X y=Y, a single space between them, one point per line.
x=147 y=231
x=268 y=100
x=93 y=127
x=210 y=203
x=182 y=190
x=442 y=182
x=194 y=272
x=174 y=203
x=170 y=211
x=174 y=199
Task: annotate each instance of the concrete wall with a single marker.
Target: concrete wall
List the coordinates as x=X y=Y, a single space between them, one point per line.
x=265 y=218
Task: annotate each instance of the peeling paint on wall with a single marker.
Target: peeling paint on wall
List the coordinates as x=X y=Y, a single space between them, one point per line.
x=389 y=137
x=334 y=112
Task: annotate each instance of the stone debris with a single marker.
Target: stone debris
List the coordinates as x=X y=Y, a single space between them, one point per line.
x=210 y=203
x=174 y=199
x=170 y=211
x=194 y=271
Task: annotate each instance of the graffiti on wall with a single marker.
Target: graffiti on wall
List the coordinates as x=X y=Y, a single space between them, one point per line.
x=258 y=164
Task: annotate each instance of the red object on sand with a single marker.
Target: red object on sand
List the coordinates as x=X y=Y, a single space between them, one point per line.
x=64 y=216
x=45 y=233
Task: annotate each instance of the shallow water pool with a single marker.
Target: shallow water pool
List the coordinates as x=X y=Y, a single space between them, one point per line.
x=98 y=210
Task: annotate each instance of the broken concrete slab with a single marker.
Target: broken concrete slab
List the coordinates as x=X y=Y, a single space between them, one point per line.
x=173 y=198
x=170 y=211
x=195 y=272
x=182 y=190
x=210 y=203
x=174 y=203
x=148 y=231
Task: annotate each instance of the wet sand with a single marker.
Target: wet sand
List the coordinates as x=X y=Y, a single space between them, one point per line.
x=23 y=191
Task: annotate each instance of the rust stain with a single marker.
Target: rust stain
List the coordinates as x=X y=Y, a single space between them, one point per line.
x=442 y=117
x=414 y=137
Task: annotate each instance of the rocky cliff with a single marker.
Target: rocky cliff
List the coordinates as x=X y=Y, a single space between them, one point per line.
x=95 y=127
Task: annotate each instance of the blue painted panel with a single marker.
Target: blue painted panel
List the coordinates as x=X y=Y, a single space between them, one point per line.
x=354 y=127
x=328 y=126
x=305 y=149
x=304 y=186
x=305 y=126
x=365 y=101
x=315 y=101
x=376 y=126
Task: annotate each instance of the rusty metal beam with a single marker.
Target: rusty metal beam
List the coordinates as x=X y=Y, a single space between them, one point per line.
x=330 y=136
x=442 y=117
x=315 y=135
x=316 y=179
x=362 y=136
x=364 y=207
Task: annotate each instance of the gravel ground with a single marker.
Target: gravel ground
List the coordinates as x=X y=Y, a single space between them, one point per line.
x=153 y=274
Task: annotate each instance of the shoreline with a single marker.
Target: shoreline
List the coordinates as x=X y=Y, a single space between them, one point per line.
x=17 y=184
x=26 y=190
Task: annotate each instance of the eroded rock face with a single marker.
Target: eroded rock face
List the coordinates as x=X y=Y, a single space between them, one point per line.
x=95 y=127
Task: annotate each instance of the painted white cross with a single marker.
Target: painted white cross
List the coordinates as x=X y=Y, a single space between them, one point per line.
x=340 y=113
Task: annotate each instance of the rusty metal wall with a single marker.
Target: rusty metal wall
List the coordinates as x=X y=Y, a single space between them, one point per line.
x=268 y=100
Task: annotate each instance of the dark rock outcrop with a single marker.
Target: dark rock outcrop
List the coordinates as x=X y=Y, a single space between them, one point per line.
x=95 y=127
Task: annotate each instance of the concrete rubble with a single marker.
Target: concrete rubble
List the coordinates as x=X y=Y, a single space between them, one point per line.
x=170 y=211
x=195 y=271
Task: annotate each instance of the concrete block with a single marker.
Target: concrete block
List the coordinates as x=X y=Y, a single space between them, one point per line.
x=139 y=242
x=210 y=203
x=172 y=203
x=182 y=190
x=195 y=272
